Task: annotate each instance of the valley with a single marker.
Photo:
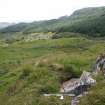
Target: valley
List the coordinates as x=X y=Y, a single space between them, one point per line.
x=36 y=58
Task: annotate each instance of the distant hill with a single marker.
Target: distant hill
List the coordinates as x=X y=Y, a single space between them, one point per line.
x=5 y=24
x=14 y=28
x=89 y=21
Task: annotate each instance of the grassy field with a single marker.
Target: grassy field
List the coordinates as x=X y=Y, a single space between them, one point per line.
x=30 y=69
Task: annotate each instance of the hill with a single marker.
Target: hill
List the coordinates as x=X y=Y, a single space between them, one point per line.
x=89 y=21
x=30 y=69
x=5 y=24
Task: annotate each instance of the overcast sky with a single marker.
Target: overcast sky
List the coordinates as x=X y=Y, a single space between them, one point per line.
x=31 y=10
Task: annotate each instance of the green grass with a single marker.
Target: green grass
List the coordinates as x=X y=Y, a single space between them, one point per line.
x=96 y=94
x=27 y=68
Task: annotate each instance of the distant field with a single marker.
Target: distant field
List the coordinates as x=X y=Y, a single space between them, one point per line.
x=29 y=69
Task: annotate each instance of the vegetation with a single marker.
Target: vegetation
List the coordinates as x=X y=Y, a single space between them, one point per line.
x=30 y=69
x=96 y=94
x=86 y=21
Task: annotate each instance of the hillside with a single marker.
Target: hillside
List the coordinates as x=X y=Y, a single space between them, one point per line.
x=5 y=24
x=36 y=58
x=28 y=69
x=89 y=21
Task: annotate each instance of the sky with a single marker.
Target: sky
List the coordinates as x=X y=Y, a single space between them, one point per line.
x=34 y=10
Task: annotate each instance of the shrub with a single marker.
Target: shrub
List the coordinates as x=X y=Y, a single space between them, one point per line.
x=3 y=71
x=26 y=72
x=48 y=88
x=69 y=72
x=72 y=70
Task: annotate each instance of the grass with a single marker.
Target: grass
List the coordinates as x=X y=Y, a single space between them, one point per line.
x=96 y=94
x=29 y=69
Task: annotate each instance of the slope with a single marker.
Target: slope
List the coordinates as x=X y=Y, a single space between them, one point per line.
x=89 y=21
